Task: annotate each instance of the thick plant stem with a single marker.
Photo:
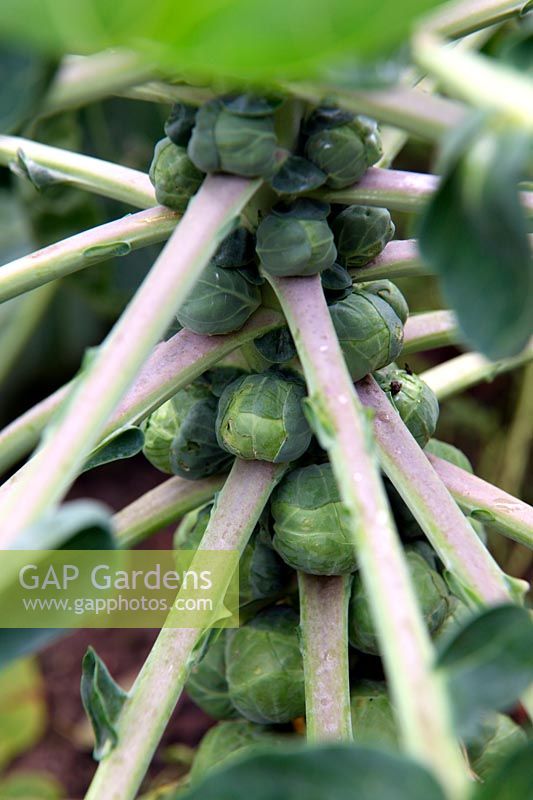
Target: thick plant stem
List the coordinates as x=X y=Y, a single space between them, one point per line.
x=161 y=506
x=397 y=190
x=113 y=239
x=469 y=369
x=341 y=426
x=466 y=16
x=324 y=645
x=507 y=514
x=399 y=259
x=412 y=110
x=160 y=682
x=494 y=87
x=171 y=366
x=448 y=530
x=99 y=390
x=84 y=79
x=101 y=177
x=429 y=330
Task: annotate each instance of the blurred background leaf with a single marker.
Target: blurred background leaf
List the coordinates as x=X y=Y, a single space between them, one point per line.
x=22 y=709
x=30 y=786
x=247 y=39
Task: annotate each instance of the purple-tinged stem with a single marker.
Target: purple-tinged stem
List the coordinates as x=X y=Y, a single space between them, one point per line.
x=481 y=500
x=398 y=259
x=428 y=330
x=162 y=506
x=448 y=530
x=324 y=645
x=343 y=430
x=103 y=383
x=160 y=683
x=171 y=365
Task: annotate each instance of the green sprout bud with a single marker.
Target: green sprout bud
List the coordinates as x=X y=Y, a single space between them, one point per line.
x=389 y=292
x=262 y=573
x=223 y=141
x=296 y=239
x=369 y=331
x=180 y=123
x=207 y=685
x=228 y=740
x=431 y=592
x=373 y=720
x=502 y=737
x=173 y=175
x=180 y=435
x=341 y=147
x=361 y=233
x=261 y=417
x=264 y=667
x=414 y=401
x=221 y=301
x=312 y=530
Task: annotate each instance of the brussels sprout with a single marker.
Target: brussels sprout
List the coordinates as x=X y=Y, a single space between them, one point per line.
x=262 y=574
x=389 y=292
x=414 y=401
x=264 y=667
x=223 y=141
x=221 y=301
x=432 y=594
x=180 y=435
x=261 y=417
x=207 y=685
x=342 y=148
x=296 y=239
x=373 y=719
x=502 y=737
x=369 y=331
x=173 y=175
x=236 y=251
x=361 y=233
x=312 y=532
x=276 y=346
x=180 y=123
x=228 y=740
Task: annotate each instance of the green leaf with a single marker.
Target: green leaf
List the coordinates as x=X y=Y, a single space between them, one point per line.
x=125 y=443
x=474 y=235
x=512 y=780
x=488 y=663
x=334 y=772
x=297 y=175
x=79 y=525
x=30 y=786
x=24 y=77
x=245 y=39
x=102 y=700
x=22 y=709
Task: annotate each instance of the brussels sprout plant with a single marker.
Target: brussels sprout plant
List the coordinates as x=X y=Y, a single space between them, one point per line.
x=332 y=239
